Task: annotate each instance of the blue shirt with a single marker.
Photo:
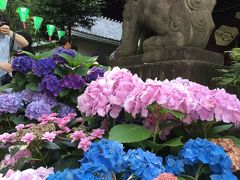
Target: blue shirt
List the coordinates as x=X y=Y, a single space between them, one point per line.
x=4 y=50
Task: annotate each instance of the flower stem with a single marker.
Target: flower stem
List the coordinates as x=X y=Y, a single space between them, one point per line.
x=155 y=132
x=41 y=156
x=8 y=120
x=198 y=172
x=187 y=176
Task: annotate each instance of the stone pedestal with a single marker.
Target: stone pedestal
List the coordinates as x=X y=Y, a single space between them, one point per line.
x=169 y=63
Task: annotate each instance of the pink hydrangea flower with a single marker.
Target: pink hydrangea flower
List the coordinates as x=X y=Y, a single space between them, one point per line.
x=47 y=118
x=49 y=136
x=28 y=138
x=6 y=161
x=6 y=137
x=166 y=176
x=97 y=133
x=120 y=89
x=107 y=94
x=85 y=143
x=77 y=135
x=12 y=160
x=20 y=127
x=29 y=174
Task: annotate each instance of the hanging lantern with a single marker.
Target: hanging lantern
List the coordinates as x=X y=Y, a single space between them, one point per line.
x=60 y=34
x=3 y=5
x=37 y=21
x=23 y=14
x=50 y=29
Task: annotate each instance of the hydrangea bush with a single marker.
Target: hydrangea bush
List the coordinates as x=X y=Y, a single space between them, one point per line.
x=153 y=120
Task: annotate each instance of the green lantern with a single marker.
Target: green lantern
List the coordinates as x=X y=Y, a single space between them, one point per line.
x=60 y=34
x=37 y=21
x=50 y=29
x=3 y=5
x=23 y=14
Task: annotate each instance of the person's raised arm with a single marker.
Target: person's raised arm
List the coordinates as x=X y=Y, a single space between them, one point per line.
x=20 y=40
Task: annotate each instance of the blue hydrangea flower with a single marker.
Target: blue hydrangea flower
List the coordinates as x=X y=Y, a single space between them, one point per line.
x=90 y=171
x=36 y=109
x=105 y=152
x=72 y=81
x=58 y=59
x=23 y=64
x=226 y=176
x=94 y=73
x=50 y=85
x=65 y=110
x=67 y=174
x=10 y=103
x=202 y=151
x=44 y=67
x=174 y=165
x=145 y=165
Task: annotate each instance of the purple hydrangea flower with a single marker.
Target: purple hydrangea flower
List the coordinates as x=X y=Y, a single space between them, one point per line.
x=36 y=109
x=44 y=67
x=94 y=73
x=58 y=59
x=72 y=81
x=23 y=64
x=10 y=103
x=28 y=96
x=65 y=110
x=50 y=85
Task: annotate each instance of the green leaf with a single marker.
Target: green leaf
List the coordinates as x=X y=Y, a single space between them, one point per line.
x=20 y=163
x=181 y=178
x=176 y=114
x=19 y=120
x=64 y=92
x=66 y=143
x=220 y=129
x=59 y=71
x=7 y=86
x=81 y=70
x=51 y=145
x=20 y=79
x=70 y=162
x=32 y=86
x=44 y=54
x=69 y=59
x=31 y=78
x=30 y=54
x=176 y=142
x=129 y=133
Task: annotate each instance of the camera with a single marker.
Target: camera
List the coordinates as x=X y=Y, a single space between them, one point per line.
x=2 y=23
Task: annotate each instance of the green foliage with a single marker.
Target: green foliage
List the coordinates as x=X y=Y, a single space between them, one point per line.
x=57 y=12
x=51 y=145
x=176 y=114
x=129 y=133
x=220 y=129
x=230 y=76
x=69 y=162
x=176 y=142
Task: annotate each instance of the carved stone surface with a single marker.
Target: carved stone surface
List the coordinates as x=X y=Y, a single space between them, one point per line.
x=153 y=24
x=196 y=71
x=195 y=64
x=225 y=35
x=170 y=54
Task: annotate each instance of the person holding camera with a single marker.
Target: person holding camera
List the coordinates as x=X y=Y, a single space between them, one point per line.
x=9 y=41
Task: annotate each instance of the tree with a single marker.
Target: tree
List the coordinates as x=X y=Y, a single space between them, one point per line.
x=66 y=14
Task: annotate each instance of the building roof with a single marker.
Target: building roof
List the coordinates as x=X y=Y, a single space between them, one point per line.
x=103 y=28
